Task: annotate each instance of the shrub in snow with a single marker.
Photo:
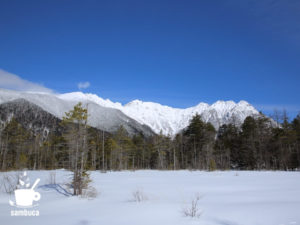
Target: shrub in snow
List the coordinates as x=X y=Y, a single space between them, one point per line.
x=9 y=183
x=193 y=210
x=89 y=193
x=138 y=196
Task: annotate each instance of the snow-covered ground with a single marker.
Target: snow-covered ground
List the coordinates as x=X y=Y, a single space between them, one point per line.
x=228 y=198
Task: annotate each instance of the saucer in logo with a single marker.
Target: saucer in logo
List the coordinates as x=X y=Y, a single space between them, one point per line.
x=24 y=195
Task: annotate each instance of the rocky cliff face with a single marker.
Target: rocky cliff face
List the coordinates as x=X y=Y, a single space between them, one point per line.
x=30 y=116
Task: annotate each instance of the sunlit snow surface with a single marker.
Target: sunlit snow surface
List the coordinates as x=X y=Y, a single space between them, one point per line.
x=228 y=198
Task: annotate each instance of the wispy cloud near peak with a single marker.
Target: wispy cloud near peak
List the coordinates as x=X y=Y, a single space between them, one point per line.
x=83 y=85
x=14 y=82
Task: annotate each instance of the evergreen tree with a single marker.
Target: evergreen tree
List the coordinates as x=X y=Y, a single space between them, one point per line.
x=76 y=130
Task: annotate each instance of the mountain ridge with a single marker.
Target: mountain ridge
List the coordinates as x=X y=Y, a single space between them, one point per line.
x=169 y=120
x=158 y=117
x=103 y=118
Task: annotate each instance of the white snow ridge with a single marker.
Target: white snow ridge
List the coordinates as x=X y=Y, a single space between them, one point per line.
x=168 y=120
x=159 y=118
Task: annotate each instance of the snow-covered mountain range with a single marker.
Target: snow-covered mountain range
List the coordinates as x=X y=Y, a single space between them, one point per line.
x=139 y=115
x=170 y=120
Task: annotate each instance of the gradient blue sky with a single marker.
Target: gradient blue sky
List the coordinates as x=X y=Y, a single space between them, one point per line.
x=177 y=53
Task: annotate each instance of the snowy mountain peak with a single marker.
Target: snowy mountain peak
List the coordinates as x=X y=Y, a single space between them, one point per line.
x=135 y=102
x=223 y=105
x=158 y=117
x=171 y=120
x=243 y=103
x=79 y=96
x=201 y=105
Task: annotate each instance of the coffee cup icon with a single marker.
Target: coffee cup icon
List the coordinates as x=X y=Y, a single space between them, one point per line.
x=25 y=197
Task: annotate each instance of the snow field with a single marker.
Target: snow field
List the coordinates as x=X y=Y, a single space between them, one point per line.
x=227 y=198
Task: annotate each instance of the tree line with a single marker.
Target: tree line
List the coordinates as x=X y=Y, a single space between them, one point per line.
x=255 y=145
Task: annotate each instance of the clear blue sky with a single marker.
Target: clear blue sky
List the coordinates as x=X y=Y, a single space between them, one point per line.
x=177 y=53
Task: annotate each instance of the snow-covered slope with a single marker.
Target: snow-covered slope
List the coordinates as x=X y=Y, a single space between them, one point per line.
x=171 y=120
x=105 y=118
x=158 y=117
